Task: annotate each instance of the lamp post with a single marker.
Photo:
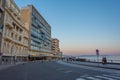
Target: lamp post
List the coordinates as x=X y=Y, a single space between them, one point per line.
x=97 y=53
x=0 y=58
x=12 y=50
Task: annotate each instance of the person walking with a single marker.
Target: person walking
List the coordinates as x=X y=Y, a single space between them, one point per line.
x=104 y=60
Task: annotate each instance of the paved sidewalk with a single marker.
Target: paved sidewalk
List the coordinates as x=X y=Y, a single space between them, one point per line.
x=108 y=66
x=5 y=66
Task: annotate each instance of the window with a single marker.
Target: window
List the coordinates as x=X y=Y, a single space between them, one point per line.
x=0 y=15
x=12 y=35
x=35 y=18
x=16 y=37
x=20 y=38
x=21 y=30
x=13 y=24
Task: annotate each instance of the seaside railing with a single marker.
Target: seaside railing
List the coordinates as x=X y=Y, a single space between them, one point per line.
x=100 y=60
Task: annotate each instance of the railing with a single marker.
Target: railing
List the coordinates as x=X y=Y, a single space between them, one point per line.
x=100 y=60
x=8 y=22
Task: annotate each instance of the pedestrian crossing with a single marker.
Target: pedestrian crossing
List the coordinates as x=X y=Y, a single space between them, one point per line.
x=100 y=77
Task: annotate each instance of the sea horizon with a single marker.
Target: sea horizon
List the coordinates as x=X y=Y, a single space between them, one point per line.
x=114 y=58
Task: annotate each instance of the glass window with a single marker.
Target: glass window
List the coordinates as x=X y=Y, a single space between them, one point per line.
x=20 y=38
x=0 y=15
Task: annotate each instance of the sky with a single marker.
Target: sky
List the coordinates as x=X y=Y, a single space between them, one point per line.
x=82 y=26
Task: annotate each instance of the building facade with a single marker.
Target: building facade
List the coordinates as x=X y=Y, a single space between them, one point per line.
x=15 y=35
x=2 y=7
x=55 y=46
x=39 y=32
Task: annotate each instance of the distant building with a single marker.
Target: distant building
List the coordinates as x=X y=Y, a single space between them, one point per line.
x=15 y=37
x=39 y=32
x=55 y=47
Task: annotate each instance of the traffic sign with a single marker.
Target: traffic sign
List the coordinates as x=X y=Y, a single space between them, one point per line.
x=97 y=52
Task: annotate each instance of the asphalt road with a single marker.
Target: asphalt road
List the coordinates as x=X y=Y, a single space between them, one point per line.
x=53 y=71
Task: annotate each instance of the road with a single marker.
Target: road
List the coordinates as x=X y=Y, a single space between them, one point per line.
x=53 y=71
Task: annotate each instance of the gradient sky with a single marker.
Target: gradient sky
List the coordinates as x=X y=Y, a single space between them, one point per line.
x=82 y=26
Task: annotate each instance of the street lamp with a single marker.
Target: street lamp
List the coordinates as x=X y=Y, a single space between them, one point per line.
x=0 y=58
x=12 y=50
x=97 y=53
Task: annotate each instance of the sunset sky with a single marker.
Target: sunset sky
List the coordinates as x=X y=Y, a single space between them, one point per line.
x=82 y=26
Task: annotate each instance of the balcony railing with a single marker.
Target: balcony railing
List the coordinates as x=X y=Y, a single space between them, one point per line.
x=8 y=23
x=8 y=37
x=26 y=36
x=11 y=9
x=15 y=13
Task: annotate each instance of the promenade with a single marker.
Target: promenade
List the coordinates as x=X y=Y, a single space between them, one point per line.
x=5 y=66
x=90 y=64
x=56 y=70
x=96 y=64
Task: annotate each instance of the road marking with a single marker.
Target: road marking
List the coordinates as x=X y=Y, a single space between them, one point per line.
x=93 y=78
x=115 y=74
x=80 y=79
x=84 y=75
x=68 y=71
x=97 y=77
x=103 y=77
x=116 y=77
x=60 y=69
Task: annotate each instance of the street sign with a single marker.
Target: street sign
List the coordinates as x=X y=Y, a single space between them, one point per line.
x=97 y=52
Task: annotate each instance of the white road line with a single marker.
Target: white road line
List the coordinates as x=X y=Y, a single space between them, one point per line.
x=84 y=75
x=59 y=69
x=80 y=79
x=103 y=77
x=68 y=71
x=116 y=77
x=93 y=78
x=115 y=74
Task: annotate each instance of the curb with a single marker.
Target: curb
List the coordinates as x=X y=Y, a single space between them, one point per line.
x=94 y=66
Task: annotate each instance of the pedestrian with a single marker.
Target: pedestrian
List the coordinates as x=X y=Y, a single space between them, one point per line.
x=104 y=60
x=67 y=59
x=42 y=60
x=3 y=61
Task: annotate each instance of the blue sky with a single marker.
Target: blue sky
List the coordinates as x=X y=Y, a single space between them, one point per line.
x=82 y=25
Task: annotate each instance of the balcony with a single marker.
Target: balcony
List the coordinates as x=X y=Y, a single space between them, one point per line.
x=26 y=36
x=11 y=7
x=8 y=24
x=15 y=13
x=7 y=37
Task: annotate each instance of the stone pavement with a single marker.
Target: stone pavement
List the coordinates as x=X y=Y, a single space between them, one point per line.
x=93 y=64
x=5 y=66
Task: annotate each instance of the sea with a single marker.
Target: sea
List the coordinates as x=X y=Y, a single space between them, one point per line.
x=110 y=58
